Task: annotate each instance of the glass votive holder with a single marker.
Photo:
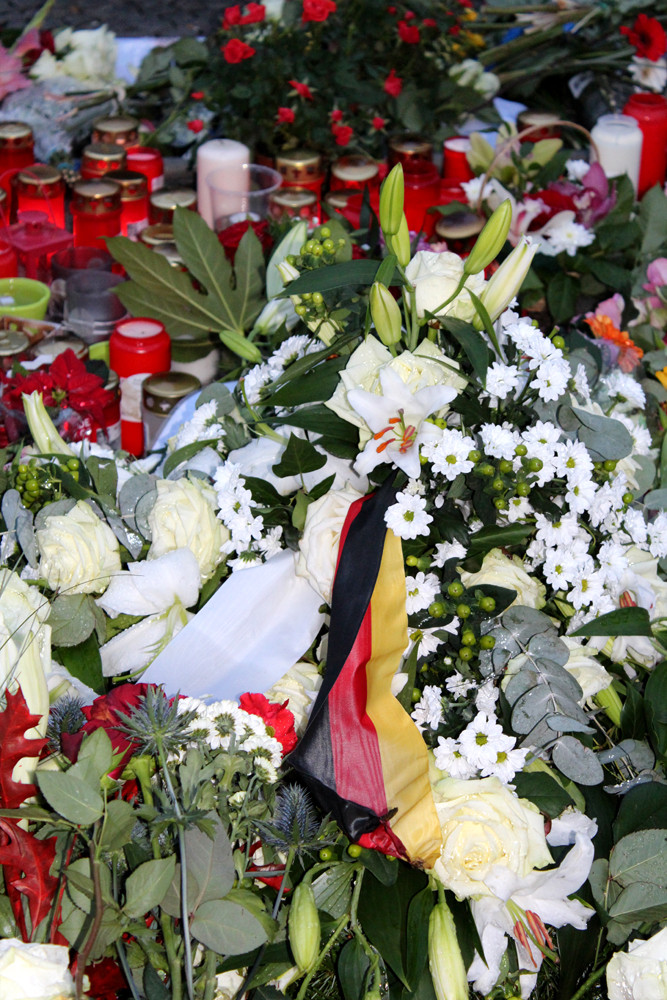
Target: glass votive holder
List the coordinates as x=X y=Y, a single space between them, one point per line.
x=248 y=198
x=91 y=307
x=66 y=263
x=618 y=142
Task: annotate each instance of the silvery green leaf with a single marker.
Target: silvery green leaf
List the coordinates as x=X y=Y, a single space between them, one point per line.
x=519 y=683
x=19 y=523
x=604 y=437
x=624 y=787
x=132 y=541
x=523 y=623
x=577 y=761
x=72 y=618
x=536 y=704
x=146 y=886
x=134 y=490
x=548 y=646
x=637 y=752
x=52 y=509
x=598 y=879
x=217 y=391
x=640 y=857
x=641 y=901
x=226 y=928
x=656 y=499
x=563 y=724
x=539 y=736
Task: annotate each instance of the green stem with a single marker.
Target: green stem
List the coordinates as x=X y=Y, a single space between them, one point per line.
x=593 y=978
x=301 y=995
x=209 y=974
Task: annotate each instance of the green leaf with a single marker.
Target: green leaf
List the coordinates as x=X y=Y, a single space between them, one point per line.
x=184 y=454
x=624 y=621
x=181 y=319
x=72 y=618
x=95 y=758
x=633 y=718
x=653 y=220
x=227 y=929
x=352 y=966
x=299 y=458
x=118 y=826
x=640 y=857
x=104 y=474
x=656 y=499
x=210 y=869
x=70 y=797
x=655 y=702
x=248 y=278
x=643 y=808
x=145 y=888
x=472 y=342
x=347 y=275
x=543 y=791
x=321 y=420
x=604 y=437
x=291 y=243
x=154 y=988
x=333 y=889
x=317 y=385
x=390 y=936
x=577 y=761
x=640 y=901
x=419 y=912
x=494 y=537
x=562 y=293
x=84 y=662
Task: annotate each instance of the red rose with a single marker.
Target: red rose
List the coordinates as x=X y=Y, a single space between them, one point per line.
x=408 y=33
x=235 y=51
x=197 y=95
x=409 y=15
x=454 y=30
x=336 y=115
x=285 y=116
x=255 y=12
x=648 y=37
x=196 y=125
x=429 y=22
x=317 y=10
x=231 y=237
x=231 y=17
x=106 y=713
x=378 y=122
x=343 y=133
x=393 y=85
x=278 y=718
x=302 y=89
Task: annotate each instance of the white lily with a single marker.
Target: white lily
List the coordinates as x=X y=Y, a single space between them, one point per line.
x=42 y=428
x=397 y=419
x=160 y=588
x=520 y=908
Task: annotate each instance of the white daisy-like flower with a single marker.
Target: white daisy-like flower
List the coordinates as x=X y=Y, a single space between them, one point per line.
x=625 y=388
x=563 y=234
x=254 y=381
x=499 y=442
x=458 y=685
x=421 y=591
x=608 y=500
x=449 y=454
x=573 y=461
x=270 y=543
x=580 y=380
x=635 y=525
x=450 y=759
x=657 y=536
x=551 y=379
x=486 y=697
x=427 y=713
x=293 y=348
x=518 y=509
x=612 y=561
x=506 y=764
x=560 y=568
x=407 y=518
x=426 y=640
x=588 y=585
x=483 y=739
x=577 y=169
x=448 y=550
x=580 y=497
x=501 y=379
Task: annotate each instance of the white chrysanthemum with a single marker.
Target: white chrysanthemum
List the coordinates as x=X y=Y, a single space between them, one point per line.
x=449 y=454
x=577 y=169
x=588 y=586
x=518 y=509
x=581 y=386
x=581 y=497
x=421 y=591
x=499 y=442
x=483 y=739
x=551 y=379
x=657 y=536
x=635 y=525
x=625 y=388
x=566 y=235
x=573 y=461
x=428 y=710
x=448 y=550
x=458 y=685
x=501 y=379
x=486 y=697
x=450 y=759
x=407 y=518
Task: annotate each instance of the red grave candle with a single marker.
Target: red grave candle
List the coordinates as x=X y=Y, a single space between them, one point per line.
x=137 y=348
x=650 y=111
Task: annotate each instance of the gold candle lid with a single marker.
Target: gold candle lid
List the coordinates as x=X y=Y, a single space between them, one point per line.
x=103 y=156
x=121 y=130
x=96 y=197
x=293 y=198
x=354 y=168
x=460 y=226
x=15 y=135
x=409 y=148
x=169 y=201
x=12 y=342
x=299 y=165
x=38 y=175
x=169 y=386
x=133 y=185
x=541 y=118
x=158 y=235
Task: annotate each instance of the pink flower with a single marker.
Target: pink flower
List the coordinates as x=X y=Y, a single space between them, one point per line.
x=336 y=115
x=11 y=77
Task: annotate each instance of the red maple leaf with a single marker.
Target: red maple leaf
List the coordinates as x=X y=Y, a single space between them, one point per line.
x=26 y=863
x=15 y=721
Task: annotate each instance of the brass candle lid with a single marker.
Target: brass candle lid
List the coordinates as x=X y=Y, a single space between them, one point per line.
x=102 y=156
x=299 y=165
x=409 y=148
x=120 y=130
x=460 y=226
x=96 y=197
x=354 y=168
x=15 y=135
x=133 y=185
x=158 y=235
x=293 y=198
x=39 y=175
x=169 y=201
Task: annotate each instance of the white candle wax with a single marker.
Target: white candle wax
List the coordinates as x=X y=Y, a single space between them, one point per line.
x=218 y=154
x=137 y=328
x=619 y=142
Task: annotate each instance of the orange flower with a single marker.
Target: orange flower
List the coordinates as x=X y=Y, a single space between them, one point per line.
x=603 y=328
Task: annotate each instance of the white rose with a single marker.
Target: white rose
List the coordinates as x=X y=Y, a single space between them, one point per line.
x=25 y=654
x=499 y=570
x=641 y=973
x=418 y=369
x=485 y=825
x=436 y=277
x=78 y=551
x=299 y=686
x=318 y=548
x=183 y=517
x=34 y=971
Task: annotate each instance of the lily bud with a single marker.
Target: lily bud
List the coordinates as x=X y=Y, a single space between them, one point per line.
x=491 y=239
x=399 y=244
x=444 y=956
x=610 y=703
x=287 y=272
x=42 y=428
x=508 y=279
x=386 y=314
x=304 y=927
x=392 y=195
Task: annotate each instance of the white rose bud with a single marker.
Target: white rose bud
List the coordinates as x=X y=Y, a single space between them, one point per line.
x=78 y=551
x=499 y=570
x=34 y=971
x=183 y=517
x=435 y=277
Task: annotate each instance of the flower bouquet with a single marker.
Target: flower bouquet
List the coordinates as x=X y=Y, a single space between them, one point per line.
x=436 y=533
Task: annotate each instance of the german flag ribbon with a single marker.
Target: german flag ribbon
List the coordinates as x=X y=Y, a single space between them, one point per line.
x=361 y=754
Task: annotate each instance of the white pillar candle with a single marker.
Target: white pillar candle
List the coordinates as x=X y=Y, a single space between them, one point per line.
x=619 y=142
x=219 y=154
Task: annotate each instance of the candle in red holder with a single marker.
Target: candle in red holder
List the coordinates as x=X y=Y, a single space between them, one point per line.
x=162 y=204
x=100 y=159
x=354 y=172
x=118 y=130
x=96 y=211
x=455 y=164
x=460 y=231
x=409 y=150
x=40 y=188
x=295 y=203
x=303 y=169
x=543 y=124
x=8 y=261
x=422 y=190
x=133 y=201
x=137 y=348
x=147 y=161
x=17 y=150
x=650 y=112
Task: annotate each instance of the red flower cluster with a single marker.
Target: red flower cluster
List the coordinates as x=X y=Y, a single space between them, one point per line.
x=408 y=33
x=378 y=122
x=343 y=133
x=317 y=10
x=302 y=89
x=648 y=37
x=235 y=51
x=106 y=713
x=285 y=116
x=255 y=12
x=393 y=85
x=232 y=235
x=278 y=718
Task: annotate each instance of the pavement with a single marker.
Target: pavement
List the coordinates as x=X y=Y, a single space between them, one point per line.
x=127 y=18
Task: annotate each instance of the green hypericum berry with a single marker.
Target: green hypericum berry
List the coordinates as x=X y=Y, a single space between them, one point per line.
x=498 y=485
x=466 y=654
x=455 y=588
x=520 y=450
x=487 y=604
x=468 y=638
x=487 y=642
x=505 y=466
x=463 y=610
x=523 y=489
x=609 y=465
x=535 y=464
x=436 y=609
x=354 y=850
x=474 y=455
x=558 y=342
x=411 y=560
x=628 y=497
x=325 y=233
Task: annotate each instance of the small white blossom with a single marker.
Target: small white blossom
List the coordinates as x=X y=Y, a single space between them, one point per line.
x=458 y=685
x=625 y=388
x=449 y=758
x=577 y=169
x=566 y=235
x=551 y=379
x=421 y=591
x=449 y=454
x=501 y=379
x=499 y=442
x=483 y=739
x=448 y=550
x=407 y=518
x=428 y=710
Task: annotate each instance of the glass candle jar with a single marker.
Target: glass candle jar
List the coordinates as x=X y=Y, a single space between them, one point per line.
x=455 y=164
x=303 y=169
x=96 y=212
x=422 y=189
x=353 y=172
x=118 y=130
x=147 y=161
x=133 y=202
x=40 y=188
x=138 y=348
x=618 y=139
x=408 y=150
x=100 y=159
x=293 y=203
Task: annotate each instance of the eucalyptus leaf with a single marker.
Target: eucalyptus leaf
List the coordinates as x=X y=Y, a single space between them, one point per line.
x=640 y=857
x=604 y=437
x=51 y=509
x=132 y=540
x=577 y=761
x=72 y=618
x=19 y=522
x=142 y=487
x=563 y=724
x=640 y=901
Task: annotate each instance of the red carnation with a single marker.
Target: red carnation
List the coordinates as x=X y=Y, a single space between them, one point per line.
x=196 y=125
x=278 y=718
x=302 y=89
x=255 y=12
x=231 y=17
x=648 y=37
x=408 y=33
x=317 y=10
x=285 y=116
x=393 y=85
x=343 y=133
x=235 y=51
x=378 y=122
